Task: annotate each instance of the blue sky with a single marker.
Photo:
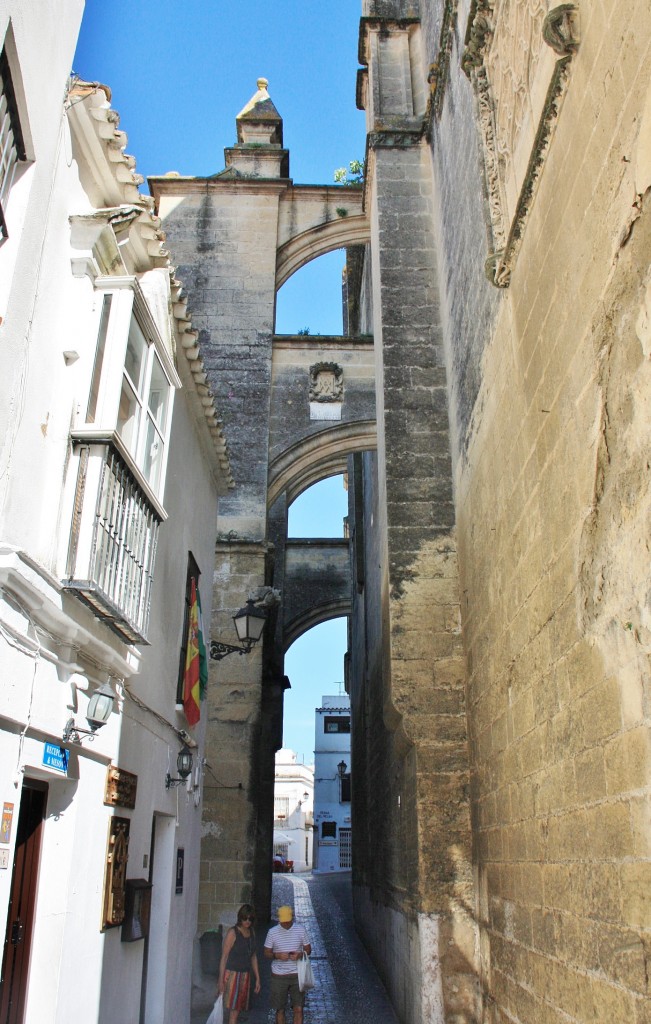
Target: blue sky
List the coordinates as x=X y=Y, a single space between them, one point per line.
x=179 y=75
x=315 y=661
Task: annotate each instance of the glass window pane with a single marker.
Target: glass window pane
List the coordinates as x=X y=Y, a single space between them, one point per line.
x=99 y=360
x=159 y=389
x=153 y=455
x=128 y=416
x=134 y=362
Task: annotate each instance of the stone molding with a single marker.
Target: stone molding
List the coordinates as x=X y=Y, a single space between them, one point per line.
x=383 y=25
x=395 y=138
x=439 y=71
x=512 y=165
x=318 y=455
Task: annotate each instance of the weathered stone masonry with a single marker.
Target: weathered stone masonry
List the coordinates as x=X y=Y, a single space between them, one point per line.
x=499 y=639
x=237 y=236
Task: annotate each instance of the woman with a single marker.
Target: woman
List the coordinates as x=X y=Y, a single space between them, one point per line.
x=239 y=959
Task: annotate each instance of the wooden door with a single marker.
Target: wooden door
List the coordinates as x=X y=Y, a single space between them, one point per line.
x=20 y=917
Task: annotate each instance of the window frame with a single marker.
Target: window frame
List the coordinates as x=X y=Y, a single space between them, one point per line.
x=337 y=720
x=105 y=383
x=345 y=791
x=12 y=141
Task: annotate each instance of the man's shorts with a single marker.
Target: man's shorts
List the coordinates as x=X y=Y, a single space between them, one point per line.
x=281 y=984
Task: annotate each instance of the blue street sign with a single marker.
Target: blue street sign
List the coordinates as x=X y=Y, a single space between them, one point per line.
x=55 y=757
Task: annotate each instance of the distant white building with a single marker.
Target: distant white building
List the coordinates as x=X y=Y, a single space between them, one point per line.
x=293 y=811
x=332 y=785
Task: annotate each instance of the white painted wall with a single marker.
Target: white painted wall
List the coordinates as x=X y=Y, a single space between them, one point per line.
x=47 y=634
x=329 y=750
x=292 y=781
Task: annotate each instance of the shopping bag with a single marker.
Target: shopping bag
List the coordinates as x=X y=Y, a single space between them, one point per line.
x=305 y=975
x=217 y=1015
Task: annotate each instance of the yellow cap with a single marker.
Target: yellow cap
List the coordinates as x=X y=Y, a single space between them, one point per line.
x=285 y=914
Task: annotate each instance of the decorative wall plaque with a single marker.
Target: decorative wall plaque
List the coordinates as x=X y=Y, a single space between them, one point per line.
x=326 y=391
x=180 y=867
x=121 y=787
x=115 y=875
x=326 y=382
x=517 y=56
x=5 y=825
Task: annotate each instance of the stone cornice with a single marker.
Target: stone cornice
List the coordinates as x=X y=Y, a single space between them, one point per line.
x=130 y=215
x=316 y=342
x=178 y=185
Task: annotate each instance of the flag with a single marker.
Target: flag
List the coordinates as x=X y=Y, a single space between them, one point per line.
x=195 y=676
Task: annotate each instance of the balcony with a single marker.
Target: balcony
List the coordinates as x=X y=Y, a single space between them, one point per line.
x=113 y=539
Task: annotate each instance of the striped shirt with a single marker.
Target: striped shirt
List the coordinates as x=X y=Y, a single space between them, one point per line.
x=286 y=940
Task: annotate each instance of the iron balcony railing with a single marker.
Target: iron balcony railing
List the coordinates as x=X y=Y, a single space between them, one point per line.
x=113 y=541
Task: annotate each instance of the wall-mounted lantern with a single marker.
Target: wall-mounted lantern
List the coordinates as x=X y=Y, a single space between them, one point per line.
x=249 y=624
x=183 y=767
x=98 y=712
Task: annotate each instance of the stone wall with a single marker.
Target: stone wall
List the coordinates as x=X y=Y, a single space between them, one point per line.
x=549 y=384
x=413 y=873
x=317 y=583
x=548 y=399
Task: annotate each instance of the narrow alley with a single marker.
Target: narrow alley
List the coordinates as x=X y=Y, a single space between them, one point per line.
x=345 y=977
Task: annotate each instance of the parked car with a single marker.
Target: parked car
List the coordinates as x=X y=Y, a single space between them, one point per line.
x=282 y=865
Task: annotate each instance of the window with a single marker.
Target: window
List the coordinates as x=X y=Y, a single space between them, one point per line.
x=345 y=788
x=192 y=574
x=131 y=387
x=121 y=448
x=12 y=146
x=144 y=402
x=339 y=724
x=328 y=829
x=281 y=808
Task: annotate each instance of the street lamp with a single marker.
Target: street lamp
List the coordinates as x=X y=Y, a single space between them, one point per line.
x=183 y=767
x=341 y=769
x=98 y=713
x=249 y=624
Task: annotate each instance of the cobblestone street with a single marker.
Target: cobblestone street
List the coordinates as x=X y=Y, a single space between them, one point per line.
x=347 y=986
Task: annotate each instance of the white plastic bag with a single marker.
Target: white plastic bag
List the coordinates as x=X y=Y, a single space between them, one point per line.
x=217 y=1015
x=305 y=975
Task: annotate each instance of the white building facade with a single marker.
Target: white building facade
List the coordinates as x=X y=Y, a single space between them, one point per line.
x=111 y=462
x=293 y=811
x=332 y=786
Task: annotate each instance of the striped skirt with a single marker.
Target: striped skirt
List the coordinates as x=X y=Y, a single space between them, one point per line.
x=237 y=986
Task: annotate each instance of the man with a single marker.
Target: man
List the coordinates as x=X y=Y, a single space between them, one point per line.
x=284 y=945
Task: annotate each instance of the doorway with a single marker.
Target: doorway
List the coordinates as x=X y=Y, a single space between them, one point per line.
x=22 y=901
x=162 y=865
x=345 y=849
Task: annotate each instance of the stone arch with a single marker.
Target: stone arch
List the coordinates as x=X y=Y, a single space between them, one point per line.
x=318 y=456
x=313 y=617
x=317 y=241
